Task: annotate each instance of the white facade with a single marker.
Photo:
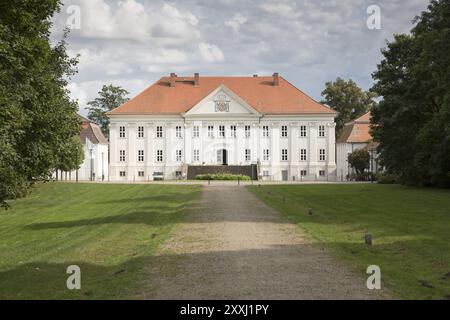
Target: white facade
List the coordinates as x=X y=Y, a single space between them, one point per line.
x=94 y=166
x=286 y=147
x=342 y=151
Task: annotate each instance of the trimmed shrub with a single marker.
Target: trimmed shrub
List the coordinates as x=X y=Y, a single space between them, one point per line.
x=387 y=178
x=222 y=176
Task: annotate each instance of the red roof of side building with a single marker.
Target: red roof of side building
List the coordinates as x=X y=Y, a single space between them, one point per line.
x=357 y=131
x=91 y=131
x=259 y=92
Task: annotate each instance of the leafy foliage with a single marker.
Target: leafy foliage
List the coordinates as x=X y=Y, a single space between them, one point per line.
x=359 y=160
x=222 y=176
x=37 y=116
x=349 y=100
x=110 y=97
x=412 y=121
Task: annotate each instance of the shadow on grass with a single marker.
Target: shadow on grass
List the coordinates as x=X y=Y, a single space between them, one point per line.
x=276 y=272
x=156 y=216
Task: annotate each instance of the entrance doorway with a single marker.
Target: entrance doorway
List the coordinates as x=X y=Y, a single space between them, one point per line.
x=222 y=157
x=284 y=175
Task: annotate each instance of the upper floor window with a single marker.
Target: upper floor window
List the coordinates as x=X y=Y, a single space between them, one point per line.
x=284 y=131
x=140 y=132
x=210 y=131
x=284 y=155
x=159 y=156
x=302 y=154
x=321 y=131
x=247 y=131
x=222 y=131
x=196 y=132
x=178 y=131
x=302 y=131
x=322 y=155
x=248 y=155
x=140 y=155
x=266 y=154
x=122 y=156
x=233 y=131
x=265 y=131
x=121 y=132
x=159 y=131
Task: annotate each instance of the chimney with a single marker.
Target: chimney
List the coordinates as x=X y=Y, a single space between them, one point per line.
x=276 y=79
x=172 y=79
x=196 y=79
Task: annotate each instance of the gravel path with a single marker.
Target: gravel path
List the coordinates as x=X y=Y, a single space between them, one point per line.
x=234 y=246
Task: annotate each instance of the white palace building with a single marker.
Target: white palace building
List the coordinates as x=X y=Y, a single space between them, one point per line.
x=183 y=126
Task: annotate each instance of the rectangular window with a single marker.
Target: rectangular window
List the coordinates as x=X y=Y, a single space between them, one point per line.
x=284 y=131
x=265 y=131
x=178 y=132
x=302 y=131
x=140 y=173
x=122 y=173
x=284 y=155
x=141 y=155
x=178 y=154
x=121 y=132
x=303 y=173
x=322 y=156
x=222 y=131
x=302 y=154
x=196 y=132
x=247 y=131
x=248 y=155
x=159 y=131
x=322 y=173
x=233 y=131
x=210 y=131
x=159 y=156
x=266 y=155
x=265 y=173
x=321 y=131
x=122 y=156
x=140 y=132
x=196 y=155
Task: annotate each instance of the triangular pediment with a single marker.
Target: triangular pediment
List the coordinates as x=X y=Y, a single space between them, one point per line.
x=222 y=102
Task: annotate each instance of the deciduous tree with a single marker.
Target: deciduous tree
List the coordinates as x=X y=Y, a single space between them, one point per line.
x=109 y=97
x=412 y=121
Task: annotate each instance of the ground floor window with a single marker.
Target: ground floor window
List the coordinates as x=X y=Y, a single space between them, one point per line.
x=159 y=155
x=322 y=173
x=265 y=173
x=303 y=173
x=248 y=155
x=196 y=155
x=266 y=155
x=322 y=155
x=140 y=173
x=122 y=173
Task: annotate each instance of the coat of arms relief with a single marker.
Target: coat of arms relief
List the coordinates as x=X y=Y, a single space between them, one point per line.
x=222 y=104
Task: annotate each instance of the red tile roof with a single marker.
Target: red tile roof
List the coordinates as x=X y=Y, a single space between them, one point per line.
x=258 y=92
x=357 y=131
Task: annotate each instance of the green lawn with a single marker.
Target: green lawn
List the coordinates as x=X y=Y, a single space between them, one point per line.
x=410 y=227
x=110 y=231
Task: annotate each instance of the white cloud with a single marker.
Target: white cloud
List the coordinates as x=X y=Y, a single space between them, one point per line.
x=236 y=21
x=134 y=42
x=211 y=53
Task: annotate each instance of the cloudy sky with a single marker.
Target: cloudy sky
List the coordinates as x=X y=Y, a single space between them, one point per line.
x=132 y=43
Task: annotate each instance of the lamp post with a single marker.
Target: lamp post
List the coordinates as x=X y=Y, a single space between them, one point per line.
x=103 y=172
x=92 y=164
